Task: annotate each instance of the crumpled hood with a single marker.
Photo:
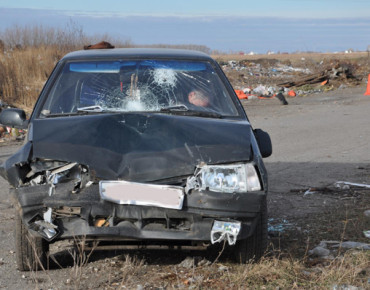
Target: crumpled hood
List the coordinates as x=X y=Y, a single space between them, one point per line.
x=140 y=147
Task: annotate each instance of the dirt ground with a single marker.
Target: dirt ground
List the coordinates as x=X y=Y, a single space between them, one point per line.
x=317 y=140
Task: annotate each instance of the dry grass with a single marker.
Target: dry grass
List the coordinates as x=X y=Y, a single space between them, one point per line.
x=352 y=268
x=128 y=271
x=29 y=54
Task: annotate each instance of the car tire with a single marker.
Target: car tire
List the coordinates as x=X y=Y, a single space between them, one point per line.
x=31 y=252
x=254 y=247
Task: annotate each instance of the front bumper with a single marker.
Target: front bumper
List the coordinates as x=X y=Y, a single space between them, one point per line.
x=86 y=214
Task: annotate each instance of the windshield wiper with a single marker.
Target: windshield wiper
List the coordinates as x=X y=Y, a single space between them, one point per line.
x=184 y=110
x=175 y=108
x=80 y=111
x=95 y=108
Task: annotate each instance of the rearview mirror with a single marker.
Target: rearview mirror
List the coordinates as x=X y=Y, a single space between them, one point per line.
x=264 y=142
x=14 y=118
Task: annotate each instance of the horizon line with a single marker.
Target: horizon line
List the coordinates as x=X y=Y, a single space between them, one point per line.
x=99 y=14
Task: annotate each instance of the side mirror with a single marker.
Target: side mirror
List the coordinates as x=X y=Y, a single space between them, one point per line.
x=13 y=118
x=264 y=142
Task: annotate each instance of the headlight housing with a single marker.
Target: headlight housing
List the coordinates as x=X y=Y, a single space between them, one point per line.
x=241 y=177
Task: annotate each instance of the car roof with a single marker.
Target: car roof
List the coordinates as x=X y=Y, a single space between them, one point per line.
x=145 y=53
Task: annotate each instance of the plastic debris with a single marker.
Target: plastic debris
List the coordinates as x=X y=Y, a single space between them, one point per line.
x=191 y=262
x=329 y=249
x=309 y=192
x=8 y=133
x=14 y=132
x=319 y=252
x=367 y=234
x=347 y=185
x=261 y=90
x=292 y=93
x=241 y=95
x=188 y=263
x=222 y=268
x=353 y=245
x=345 y=287
x=367 y=93
x=276 y=229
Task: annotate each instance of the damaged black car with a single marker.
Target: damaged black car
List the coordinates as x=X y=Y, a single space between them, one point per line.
x=144 y=146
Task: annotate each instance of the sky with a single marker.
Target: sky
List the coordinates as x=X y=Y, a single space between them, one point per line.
x=228 y=25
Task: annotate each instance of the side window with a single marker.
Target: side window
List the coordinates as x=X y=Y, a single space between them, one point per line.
x=63 y=98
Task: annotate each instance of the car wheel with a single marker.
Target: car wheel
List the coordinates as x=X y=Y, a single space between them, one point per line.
x=31 y=252
x=254 y=246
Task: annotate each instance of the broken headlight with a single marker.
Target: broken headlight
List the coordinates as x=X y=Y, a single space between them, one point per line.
x=229 y=178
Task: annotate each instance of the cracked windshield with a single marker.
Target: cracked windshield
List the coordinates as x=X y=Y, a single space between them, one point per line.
x=137 y=86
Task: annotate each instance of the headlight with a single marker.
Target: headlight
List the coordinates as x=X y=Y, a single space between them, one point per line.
x=229 y=178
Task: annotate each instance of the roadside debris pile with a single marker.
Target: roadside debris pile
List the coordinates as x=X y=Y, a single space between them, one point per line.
x=262 y=67
x=267 y=72
x=7 y=133
x=338 y=71
x=267 y=78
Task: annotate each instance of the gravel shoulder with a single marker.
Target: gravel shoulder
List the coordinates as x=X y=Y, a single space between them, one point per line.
x=317 y=140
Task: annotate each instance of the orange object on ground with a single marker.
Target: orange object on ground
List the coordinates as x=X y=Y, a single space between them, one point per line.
x=324 y=83
x=367 y=93
x=241 y=95
x=291 y=93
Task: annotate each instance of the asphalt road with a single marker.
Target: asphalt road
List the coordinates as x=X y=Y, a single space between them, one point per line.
x=317 y=139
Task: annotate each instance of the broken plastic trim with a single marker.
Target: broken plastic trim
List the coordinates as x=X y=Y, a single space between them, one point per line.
x=225 y=230
x=62 y=173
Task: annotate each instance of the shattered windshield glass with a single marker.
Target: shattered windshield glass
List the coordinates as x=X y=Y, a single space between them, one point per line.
x=138 y=86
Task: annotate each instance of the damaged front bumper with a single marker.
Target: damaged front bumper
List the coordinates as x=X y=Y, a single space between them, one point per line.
x=205 y=216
